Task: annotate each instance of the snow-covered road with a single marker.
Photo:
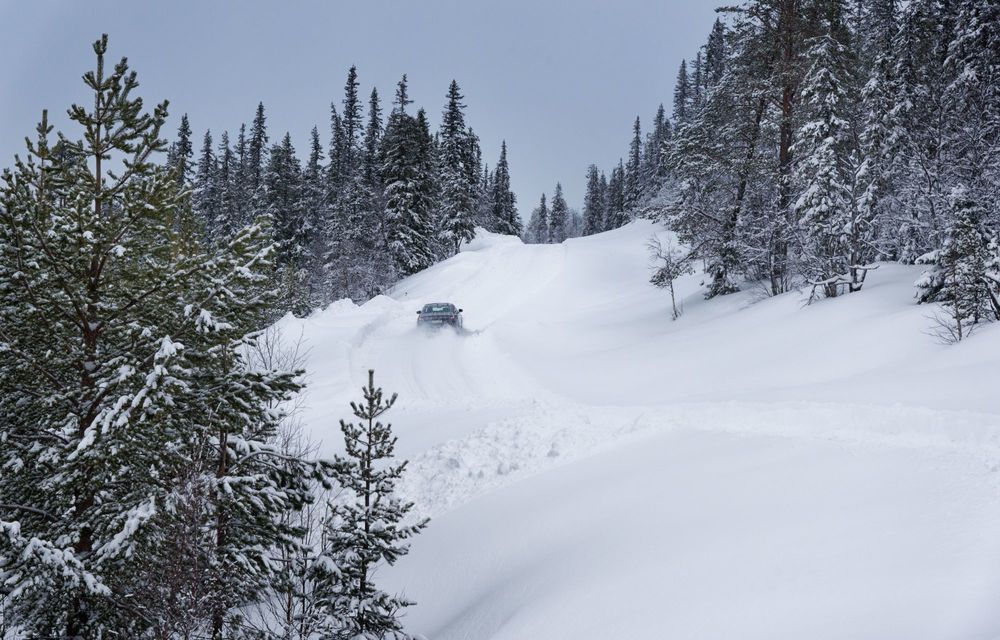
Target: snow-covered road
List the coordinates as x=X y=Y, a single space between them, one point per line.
x=757 y=469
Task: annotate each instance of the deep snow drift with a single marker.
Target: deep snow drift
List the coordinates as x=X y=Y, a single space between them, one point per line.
x=757 y=469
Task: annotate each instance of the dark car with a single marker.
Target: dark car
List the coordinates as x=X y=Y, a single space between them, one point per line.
x=438 y=314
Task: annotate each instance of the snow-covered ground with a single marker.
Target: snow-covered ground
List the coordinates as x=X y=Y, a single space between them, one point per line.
x=757 y=469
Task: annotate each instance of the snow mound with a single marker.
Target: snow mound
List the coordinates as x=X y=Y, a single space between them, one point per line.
x=486 y=239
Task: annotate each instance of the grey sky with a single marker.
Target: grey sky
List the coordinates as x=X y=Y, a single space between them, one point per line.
x=561 y=81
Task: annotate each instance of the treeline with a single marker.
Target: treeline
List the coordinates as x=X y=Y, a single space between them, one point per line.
x=153 y=483
x=553 y=223
x=811 y=138
x=384 y=198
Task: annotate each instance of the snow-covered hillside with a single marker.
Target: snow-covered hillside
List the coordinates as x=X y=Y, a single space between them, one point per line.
x=757 y=469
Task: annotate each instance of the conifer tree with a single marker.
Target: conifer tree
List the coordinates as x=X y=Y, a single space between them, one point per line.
x=697 y=79
x=616 y=215
x=964 y=278
x=537 y=231
x=633 y=175
x=256 y=160
x=313 y=204
x=458 y=179
x=181 y=155
x=408 y=205
x=352 y=225
x=593 y=204
x=558 y=217
x=335 y=164
x=504 y=203
x=207 y=189
x=682 y=97
x=715 y=54
x=654 y=169
x=125 y=403
x=241 y=215
x=226 y=223
x=827 y=167
x=366 y=527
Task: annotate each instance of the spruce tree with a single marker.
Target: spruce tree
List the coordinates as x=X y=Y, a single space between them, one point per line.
x=558 y=217
x=241 y=215
x=366 y=527
x=181 y=155
x=207 y=192
x=963 y=279
x=835 y=234
x=616 y=215
x=458 y=181
x=654 y=169
x=226 y=222
x=256 y=161
x=633 y=175
x=313 y=204
x=682 y=95
x=408 y=206
x=352 y=227
x=593 y=204
x=537 y=231
x=697 y=80
x=504 y=203
x=715 y=54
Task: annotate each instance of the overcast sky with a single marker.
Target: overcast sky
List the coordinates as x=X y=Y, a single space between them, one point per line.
x=561 y=81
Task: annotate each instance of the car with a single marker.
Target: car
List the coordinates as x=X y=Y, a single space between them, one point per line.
x=439 y=314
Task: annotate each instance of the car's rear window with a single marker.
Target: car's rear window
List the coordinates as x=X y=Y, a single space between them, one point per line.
x=437 y=308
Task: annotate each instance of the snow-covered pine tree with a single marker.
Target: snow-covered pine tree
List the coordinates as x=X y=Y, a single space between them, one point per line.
x=406 y=168
x=616 y=215
x=558 y=217
x=256 y=167
x=926 y=117
x=484 y=208
x=973 y=61
x=880 y=133
x=633 y=172
x=313 y=204
x=964 y=276
x=593 y=203
x=537 y=231
x=283 y=202
x=381 y=271
x=715 y=54
x=133 y=433
x=837 y=239
x=351 y=228
x=682 y=96
x=226 y=222
x=602 y=199
x=207 y=191
x=654 y=156
x=504 y=203
x=334 y=164
x=180 y=157
x=367 y=527
x=574 y=226
x=457 y=183
x=240 y=215
x=697 y=90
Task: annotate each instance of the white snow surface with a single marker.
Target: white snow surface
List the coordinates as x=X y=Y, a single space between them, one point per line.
x=757 y=469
